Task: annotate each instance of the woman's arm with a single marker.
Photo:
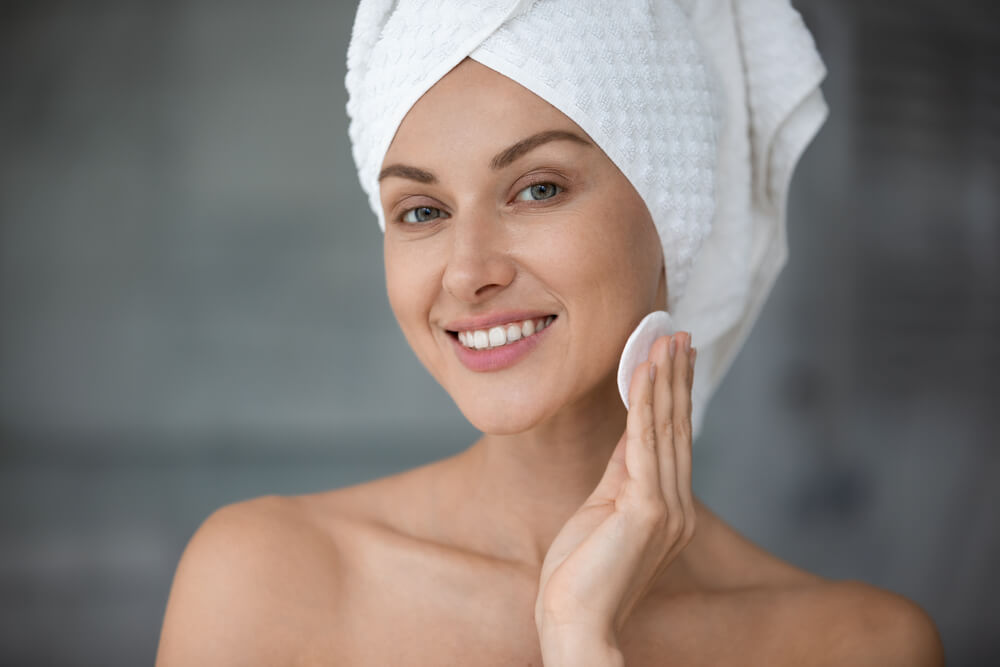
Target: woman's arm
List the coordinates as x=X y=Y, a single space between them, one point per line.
x=580 y=649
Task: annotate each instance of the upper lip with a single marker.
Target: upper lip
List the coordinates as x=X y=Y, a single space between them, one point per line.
x=494 y=319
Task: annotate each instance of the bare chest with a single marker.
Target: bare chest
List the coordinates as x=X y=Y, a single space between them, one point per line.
x=405 y=629
x=406 y=603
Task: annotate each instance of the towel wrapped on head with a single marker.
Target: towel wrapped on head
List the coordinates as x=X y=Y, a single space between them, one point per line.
x=704 y=105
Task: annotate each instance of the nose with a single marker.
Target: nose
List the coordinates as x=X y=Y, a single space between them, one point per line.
x=480 y=263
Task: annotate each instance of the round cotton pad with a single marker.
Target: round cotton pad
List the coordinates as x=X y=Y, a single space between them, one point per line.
x=637 y=346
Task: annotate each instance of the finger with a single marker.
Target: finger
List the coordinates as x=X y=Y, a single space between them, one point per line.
x=640 y=448
x=663 y=415
x=682 y=436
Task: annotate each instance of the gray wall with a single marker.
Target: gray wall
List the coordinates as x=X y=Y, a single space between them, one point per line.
x=192 y=312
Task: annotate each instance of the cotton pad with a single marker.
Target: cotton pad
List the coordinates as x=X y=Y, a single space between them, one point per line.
x=637 y=347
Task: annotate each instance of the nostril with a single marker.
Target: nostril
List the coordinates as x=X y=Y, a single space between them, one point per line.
x=486 y=288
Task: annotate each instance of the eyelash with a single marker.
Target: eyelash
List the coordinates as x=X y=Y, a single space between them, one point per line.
x=402 y=217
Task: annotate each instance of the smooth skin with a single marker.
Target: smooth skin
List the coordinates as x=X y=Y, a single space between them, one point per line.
x=569 y=533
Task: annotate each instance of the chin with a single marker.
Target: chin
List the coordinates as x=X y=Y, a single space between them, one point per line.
x=503 y=417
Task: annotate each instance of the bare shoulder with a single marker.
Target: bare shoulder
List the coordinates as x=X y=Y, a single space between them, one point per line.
x=231 y=595
x=854 y=623
x=261 y=578
x=794 y=617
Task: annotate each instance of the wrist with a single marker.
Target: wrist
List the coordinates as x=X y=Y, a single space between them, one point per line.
x=580 y=649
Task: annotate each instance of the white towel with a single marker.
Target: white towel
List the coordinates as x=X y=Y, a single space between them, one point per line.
x=704 y=105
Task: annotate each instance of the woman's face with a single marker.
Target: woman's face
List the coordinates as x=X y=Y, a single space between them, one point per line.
x=501 y=214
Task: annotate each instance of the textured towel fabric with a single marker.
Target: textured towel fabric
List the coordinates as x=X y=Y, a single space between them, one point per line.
x=704 y=105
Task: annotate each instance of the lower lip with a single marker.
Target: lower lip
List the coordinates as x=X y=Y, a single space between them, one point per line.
x=498 y=358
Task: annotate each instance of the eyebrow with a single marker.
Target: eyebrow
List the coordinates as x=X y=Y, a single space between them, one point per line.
x=404 y=171
x=502 y=159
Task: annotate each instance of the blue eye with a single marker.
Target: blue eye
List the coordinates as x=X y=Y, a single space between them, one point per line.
x=422 y=214
x=538 y=192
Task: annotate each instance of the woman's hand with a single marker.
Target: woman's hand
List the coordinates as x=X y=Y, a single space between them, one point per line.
x=640 y=516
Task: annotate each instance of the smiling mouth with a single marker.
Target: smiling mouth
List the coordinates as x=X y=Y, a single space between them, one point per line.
x=498 y=336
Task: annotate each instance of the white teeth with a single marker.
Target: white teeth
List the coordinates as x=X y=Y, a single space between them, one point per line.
x=498 y=336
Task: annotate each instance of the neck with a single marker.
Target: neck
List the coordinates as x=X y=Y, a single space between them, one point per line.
x=523 y=487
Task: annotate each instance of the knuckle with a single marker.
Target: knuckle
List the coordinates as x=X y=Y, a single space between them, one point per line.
x=689 y=528
x=689 y=521
x=682 y=427
x=648 y=436
x=647 y=396
x=675 y=523
x=652 y=514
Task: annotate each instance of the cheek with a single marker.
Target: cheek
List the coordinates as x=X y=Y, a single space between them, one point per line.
x=603 y=263
x=395 y=288
x=407 y=280
x=609 y=259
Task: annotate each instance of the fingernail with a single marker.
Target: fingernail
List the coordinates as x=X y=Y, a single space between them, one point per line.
x=652 y=372
x=687 y=343
x=694 y=355
x=673 y=347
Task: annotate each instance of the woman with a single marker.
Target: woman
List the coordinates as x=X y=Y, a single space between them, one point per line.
x=526 y=236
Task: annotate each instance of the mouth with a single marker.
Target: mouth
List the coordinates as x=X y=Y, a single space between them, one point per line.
x=499 y=345
x=501 y=334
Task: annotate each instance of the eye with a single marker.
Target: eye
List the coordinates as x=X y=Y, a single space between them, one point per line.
x=538 y=192
x=422 y=214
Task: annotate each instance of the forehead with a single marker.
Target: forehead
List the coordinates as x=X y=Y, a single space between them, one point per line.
x=473 y=107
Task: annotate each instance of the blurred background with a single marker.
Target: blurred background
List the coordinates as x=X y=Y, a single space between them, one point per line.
x=192 y=312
